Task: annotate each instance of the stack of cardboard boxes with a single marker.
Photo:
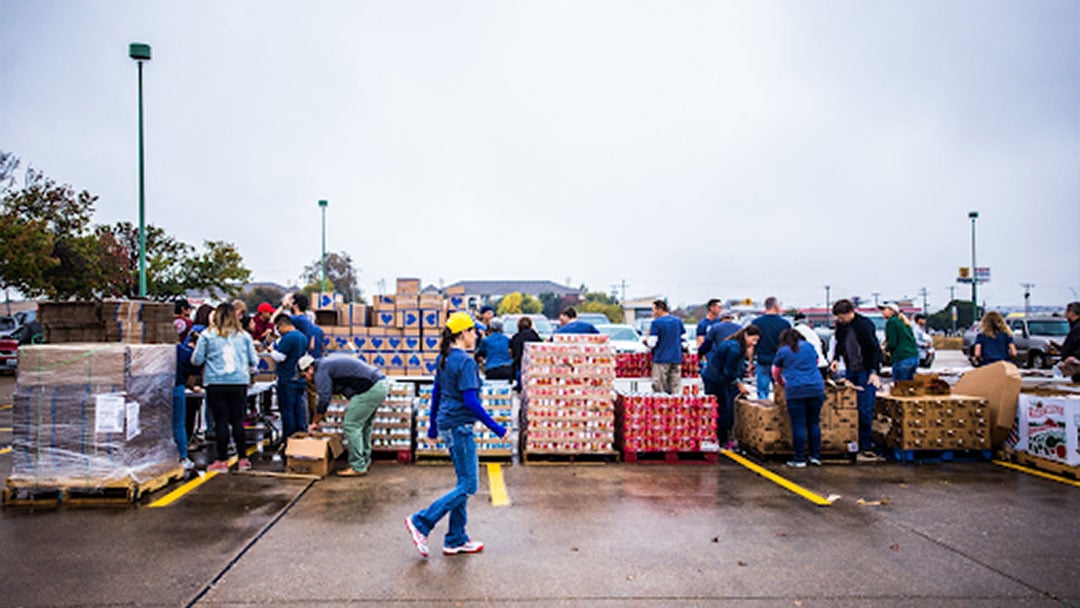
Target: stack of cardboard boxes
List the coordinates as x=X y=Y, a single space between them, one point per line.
x=128 y=321
x=763 y=426
x=495 y=397
x=923 y=415
x=398 y=333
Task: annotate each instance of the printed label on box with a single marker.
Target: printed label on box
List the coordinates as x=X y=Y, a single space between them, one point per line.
x=109 y=413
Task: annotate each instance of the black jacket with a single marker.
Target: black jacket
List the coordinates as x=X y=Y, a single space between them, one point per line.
x=1071 y=347
x=517 y=345
x=868 y=343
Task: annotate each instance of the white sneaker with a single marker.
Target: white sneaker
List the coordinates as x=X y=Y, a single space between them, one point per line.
x=418 y=539
x=816 y=462
x=795 y=464
x=473 y=546
x=187 y=464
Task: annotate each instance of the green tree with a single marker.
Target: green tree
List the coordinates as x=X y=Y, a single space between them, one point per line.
x=174 y=267
x=339 y=271
x=942 y=319
x=550 y=304
x=50 y=248
x=257 y=295
x=596 y=301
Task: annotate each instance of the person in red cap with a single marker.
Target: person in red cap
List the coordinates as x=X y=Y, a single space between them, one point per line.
x=262 y=329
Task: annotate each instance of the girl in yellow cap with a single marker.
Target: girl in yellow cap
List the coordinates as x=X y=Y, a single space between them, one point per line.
x=455 y=408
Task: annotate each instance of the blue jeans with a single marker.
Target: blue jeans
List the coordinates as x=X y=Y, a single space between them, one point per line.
x=866 y=399
x=292 y=402
x=179 y=420
x=904 y=369
x=462 y=445
x=805 y=414
x=764 y=379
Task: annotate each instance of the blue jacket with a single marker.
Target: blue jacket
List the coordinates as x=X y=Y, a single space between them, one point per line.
x=235 y=368
x=727 y=363
x=495 y=349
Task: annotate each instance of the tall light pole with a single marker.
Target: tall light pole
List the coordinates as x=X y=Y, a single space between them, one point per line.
x=974 y=215
x=140 y=52
x=827 y=309
x=322 y=205
x=1027 y=296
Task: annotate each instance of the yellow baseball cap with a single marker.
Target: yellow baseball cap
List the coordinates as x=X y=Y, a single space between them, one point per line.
x=459 y=322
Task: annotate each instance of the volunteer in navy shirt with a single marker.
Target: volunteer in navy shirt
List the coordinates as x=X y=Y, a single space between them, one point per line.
x=569 y=324
x=796 y=367
x=994 y=342
x=455 y=408
x=770 y=324
x=494 y=350
x=667 y=352
x=712 y=317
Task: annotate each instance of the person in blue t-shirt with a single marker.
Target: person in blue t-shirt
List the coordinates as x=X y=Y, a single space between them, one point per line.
x=770 y=324
x=724 y=328
x=290 y=386
x=795 y=367
x=455 y=408
x=994 y=342
x=569 y=324
x=667 y=352
x=712 y=317
x=494 y=351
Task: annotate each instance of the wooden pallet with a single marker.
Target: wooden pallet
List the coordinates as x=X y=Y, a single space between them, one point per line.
x=671 y=457
x=554 y=458
x=59 y=492
x=442 y=457
x=1048 y=466
x=929 y=456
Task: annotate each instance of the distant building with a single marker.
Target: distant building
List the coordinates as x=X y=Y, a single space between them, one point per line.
x=479 y=293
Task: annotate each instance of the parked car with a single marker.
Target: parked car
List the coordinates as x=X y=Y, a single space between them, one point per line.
x=540 y=323
x=595 y=318
x=7 y=325
x=9 y=354
x=624 y=338
x=1038 y=339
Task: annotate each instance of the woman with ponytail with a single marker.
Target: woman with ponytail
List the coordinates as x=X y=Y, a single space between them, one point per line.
x=455 y=408
x=723 y=377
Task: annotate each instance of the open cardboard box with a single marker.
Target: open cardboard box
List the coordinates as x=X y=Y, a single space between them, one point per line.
x=312 y=453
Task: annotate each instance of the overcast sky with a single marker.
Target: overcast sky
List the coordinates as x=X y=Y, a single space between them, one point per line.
x=692 y=149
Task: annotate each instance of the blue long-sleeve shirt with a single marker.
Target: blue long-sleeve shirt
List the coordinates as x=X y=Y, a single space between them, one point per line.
x=495 y=349
x=727 y=363
x=455 y=398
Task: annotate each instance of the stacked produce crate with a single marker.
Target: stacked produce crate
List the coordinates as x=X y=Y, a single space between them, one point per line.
x=932 y=422
x=569 y=397
x=764 y=427
x=650 y=423
x=496 y=398
x=639 y=365
x=1049 y=430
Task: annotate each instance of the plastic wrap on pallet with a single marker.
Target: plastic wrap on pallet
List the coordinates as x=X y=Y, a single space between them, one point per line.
x=89 y=415
x=495 y=397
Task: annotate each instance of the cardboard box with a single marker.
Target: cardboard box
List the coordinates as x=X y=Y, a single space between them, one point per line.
x=999 y=384
x=408 y=318
x=353 y=315
x=1049 y=427
x=394 y=343
x=932 y=422
x=455 y=303
x=402 y=301
x=360 y=342
x=455 y=290
x=432 y=318
x=326 y=318
x=429 y=343
x=410 y=343
x=312 y=453
x=384 y=318
x=429 y=300
x=383 y=301
x=431 y=363
x=322 y=300
x=408 y=285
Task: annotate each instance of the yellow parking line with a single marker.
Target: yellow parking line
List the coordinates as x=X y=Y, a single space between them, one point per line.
x=499 y=498
x=179 y=493
x=5 y=450
x=778 y=480
x=6 y=406
x=5 y=429
x=1036 y=472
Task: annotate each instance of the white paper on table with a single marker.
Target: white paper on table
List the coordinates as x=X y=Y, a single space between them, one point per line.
x=132 y=419
x=109 y=413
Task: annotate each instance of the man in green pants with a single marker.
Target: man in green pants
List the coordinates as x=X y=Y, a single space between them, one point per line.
x=364 y=386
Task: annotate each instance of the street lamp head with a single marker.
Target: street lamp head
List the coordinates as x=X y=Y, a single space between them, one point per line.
x=139 y=51
x=324 y=203
x=973 y=214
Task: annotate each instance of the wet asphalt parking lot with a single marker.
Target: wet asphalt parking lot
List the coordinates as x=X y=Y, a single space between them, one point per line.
x=945 y=534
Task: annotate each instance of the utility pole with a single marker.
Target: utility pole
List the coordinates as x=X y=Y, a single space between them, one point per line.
x=974 y=215
x=1027 y=296
x=925 y=306
x=827 y=304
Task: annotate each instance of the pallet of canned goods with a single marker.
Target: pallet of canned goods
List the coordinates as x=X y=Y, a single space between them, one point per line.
x=391 y=428
x=496 y=398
